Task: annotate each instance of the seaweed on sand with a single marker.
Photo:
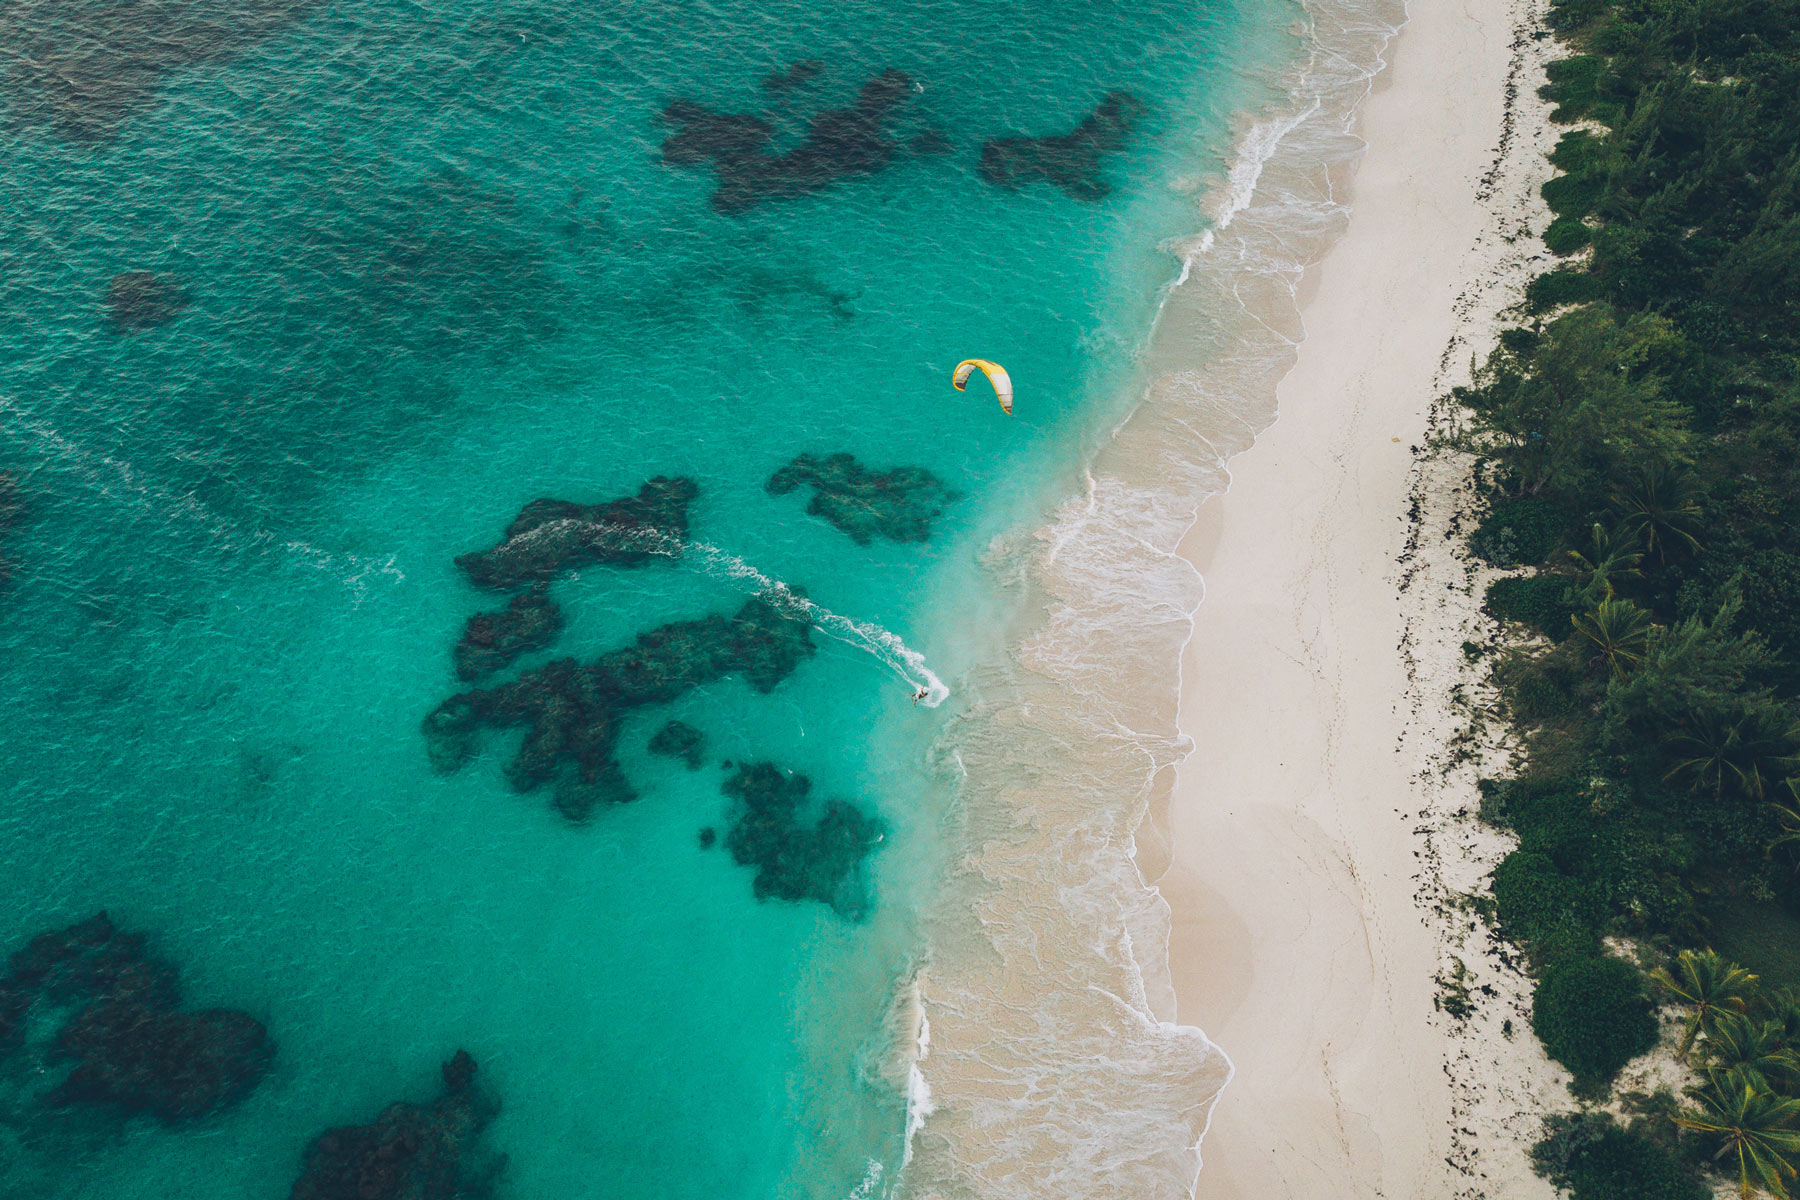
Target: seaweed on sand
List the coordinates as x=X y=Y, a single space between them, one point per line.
x=801 y=850
x=549 y=537
x=678 y=739
x=571 y=712
x=1069 y=161
x=898 y=504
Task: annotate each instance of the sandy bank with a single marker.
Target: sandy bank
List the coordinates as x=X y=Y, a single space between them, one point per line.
x=1320 y=831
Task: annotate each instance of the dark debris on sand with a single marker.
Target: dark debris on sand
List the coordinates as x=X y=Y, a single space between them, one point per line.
x=801 y=850
x=1069 y=161
x=411 y=1151
x=678 y=739
x=898 y=504
x=492 y=640
x=549 y=537
x=143 y=300
x=571 y=712
x=840 y=143
x=133 y=1047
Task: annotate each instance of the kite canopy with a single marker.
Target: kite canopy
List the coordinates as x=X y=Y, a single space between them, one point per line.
x=996 y=375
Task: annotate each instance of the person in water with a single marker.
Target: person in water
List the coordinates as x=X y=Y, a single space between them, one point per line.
x=920 y=695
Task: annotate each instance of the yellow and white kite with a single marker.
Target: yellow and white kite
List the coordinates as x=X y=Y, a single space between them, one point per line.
x=996 y=375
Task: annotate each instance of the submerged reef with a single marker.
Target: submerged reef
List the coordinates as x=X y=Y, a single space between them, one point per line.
x=143 y=299
x=492 y=640
x=549 y=537
x=798 y=856
x=84 y=69
x=410 y=1151
x=678 y=739
x=1069 y=161
x=840 y=143
x=797 y=75
x=12 y=507
x=898 y=504
x=571 y=712
x=134 y=1048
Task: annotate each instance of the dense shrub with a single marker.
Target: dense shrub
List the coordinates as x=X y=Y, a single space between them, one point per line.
x=1574 y=86
x=1591 y=1015
x=1540 y=905
x=1574 y=195
x=1569 y=285
x=1543 y=602
x=1592 y=1158
x=1578 y=150
x=1519 y=532
x=1566 y=235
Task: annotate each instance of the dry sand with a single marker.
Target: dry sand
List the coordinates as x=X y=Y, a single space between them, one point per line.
x=1322 y=830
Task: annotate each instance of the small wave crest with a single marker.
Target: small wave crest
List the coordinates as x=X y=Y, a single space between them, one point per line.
x=883 y=644
x=125 y=485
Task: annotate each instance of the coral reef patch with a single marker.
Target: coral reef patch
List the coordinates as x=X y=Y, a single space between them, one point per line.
x=571 y=712
x=134 y=1049
x=801 y=850
x=1068 y=161
x=492 y=640
x=840 y=143
x=898 y=504
x=85 y=68
x=549 y=537
x=143 y=299
x=678 y=739
x=411 y=1151
x=12 y=507
x=798 y=75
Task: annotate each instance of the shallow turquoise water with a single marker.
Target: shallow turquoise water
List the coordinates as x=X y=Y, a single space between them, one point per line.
x=436 y=268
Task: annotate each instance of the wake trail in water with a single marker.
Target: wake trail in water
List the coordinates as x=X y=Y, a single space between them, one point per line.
x=883 y=644
x=123 y=484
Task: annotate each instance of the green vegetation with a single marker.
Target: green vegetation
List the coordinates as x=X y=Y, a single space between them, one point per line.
x=1641 y=428
x=1593 y=1158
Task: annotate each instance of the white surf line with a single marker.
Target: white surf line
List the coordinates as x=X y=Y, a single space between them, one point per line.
x=883 y=644
x=131 y=487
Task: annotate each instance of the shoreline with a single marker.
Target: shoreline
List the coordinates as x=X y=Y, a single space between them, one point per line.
x=1313 y=877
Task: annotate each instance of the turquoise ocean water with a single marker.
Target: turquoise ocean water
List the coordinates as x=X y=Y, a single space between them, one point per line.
x=430 y=266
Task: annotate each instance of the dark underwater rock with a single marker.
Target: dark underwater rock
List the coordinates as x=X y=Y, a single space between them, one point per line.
x=552 y=536
x=85 y=68
x=133 y=1047
x=12 y=507
x=840 y=143
x=798 y=856
x=898 y=504
x=492 y=640
x=797 y=75
x=678 y=739
x=571 y=712
x=1069 y=161
x=142 y=299
x=411 y=1151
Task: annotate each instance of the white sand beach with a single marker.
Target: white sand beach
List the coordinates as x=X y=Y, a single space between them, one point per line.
x=1320 y=829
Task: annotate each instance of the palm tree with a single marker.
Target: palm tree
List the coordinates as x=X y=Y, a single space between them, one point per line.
x=1660 y=506
x=1707 y=984
x=1759 y=1047
x=1745 y=752
x=1619 y=633
x=1610 y=556
x=1754 y=1126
